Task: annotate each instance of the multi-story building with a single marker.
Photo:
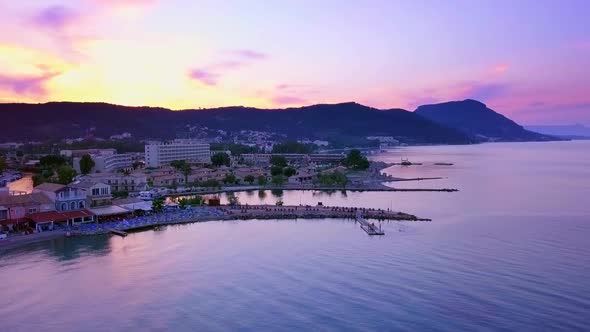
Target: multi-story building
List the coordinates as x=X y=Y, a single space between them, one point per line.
x=14 y=208
x=97 y=193
x=66 y=198
x=159 y=154
x=107 y=162
x=121 y=182
x=81 y=152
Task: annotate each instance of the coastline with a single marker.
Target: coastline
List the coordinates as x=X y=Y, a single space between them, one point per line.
x=240 y=212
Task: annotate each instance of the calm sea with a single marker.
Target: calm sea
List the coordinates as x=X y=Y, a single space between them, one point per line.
x=509 y=252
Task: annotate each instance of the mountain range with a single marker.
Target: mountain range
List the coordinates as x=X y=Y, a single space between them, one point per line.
x=460 y=122
x=574 y=131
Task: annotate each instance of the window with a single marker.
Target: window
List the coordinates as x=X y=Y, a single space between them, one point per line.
x=95 y=192
x=72 y=205
x=81 y=205
x=32 y=210
x=64 y=206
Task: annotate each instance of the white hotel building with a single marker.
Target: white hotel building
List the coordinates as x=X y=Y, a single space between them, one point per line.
x=159 y=154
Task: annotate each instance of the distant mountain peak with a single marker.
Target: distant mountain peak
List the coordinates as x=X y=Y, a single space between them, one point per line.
x=477 y=120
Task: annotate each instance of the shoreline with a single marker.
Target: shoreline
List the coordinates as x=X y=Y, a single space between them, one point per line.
x=374 y=187
x=239 y=212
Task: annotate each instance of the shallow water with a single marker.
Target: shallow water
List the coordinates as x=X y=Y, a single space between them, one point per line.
x=509 y=251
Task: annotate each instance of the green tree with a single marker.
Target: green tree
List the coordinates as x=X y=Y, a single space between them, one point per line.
x=220 y=159
x=356 y=160
x=278 y=161
x=262 y=180
x=332 y=179
x=249 y=178
x=65 y=174
x=276 y=170
x=38 y=179
x=230 y=178
x=293 y=147
x=289 y=171
x=51 y=161
x=183 y=167
x=2 y=164
x=211 y=183
x=278 y=180
x=158 y=205
x=86 y=164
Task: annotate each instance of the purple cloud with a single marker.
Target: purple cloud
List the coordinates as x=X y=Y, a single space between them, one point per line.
x=483 y=91
x=287 y=100
x=26 y=85
x=204 y=76
x=210 y=75
x=249 y=54
x=55 y=17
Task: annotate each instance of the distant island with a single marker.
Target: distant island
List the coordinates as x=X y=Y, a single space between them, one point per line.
x=459 y=122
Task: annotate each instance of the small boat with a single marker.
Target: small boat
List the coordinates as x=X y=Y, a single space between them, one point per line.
x=406 y=162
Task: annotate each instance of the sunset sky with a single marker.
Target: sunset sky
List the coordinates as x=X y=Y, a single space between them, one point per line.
x=529 y=60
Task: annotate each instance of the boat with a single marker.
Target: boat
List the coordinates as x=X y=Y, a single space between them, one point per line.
x=406 y=162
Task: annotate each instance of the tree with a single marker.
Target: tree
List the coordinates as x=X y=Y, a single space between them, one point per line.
x=65 y=174
x=86 y=164
x=292 y=147
x=51 y=161
x=356 y=160
x=229 y=178
x=2 y=164
x=278 y=161
x=249 y=178
x=278 y=180
x=183 y=167
x=262 y=180
x=220 y=159
x=210 y=183
x=158 y=205
x=289 y=171
x=332 y=179
x=276 y=170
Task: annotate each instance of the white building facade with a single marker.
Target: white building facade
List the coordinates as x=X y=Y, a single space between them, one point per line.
x=160 y=154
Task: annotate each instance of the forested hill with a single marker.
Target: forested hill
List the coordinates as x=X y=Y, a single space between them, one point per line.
x=57 y=120
x=478 y=121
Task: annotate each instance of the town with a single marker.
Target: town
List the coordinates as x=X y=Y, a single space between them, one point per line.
x=71 y=187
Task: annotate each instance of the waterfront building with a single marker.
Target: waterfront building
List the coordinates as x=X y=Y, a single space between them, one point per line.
x=160 y=154
x=97 y=193
x=14 y=208
x=120 y=182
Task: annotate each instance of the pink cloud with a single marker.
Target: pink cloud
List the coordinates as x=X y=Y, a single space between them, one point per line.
x=249 y=54
x=55 y=18
x=204 y=76
x=26 y=85
x=210 y=75
x=500 y=68
x=283 y=100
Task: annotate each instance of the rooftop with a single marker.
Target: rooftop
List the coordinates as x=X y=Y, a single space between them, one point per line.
x=52 y=187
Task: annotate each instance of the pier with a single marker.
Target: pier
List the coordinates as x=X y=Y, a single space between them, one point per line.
x=368 y=227
x=118 y=232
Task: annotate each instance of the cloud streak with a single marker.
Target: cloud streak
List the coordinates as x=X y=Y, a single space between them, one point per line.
x=55 y=18
x=212 y=74
x=33 y=85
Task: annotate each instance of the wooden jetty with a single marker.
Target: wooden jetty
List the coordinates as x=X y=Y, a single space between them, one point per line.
x=118 y=232
x=368 y=227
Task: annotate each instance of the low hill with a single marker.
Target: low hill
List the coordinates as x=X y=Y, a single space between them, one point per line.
x=478 y=121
